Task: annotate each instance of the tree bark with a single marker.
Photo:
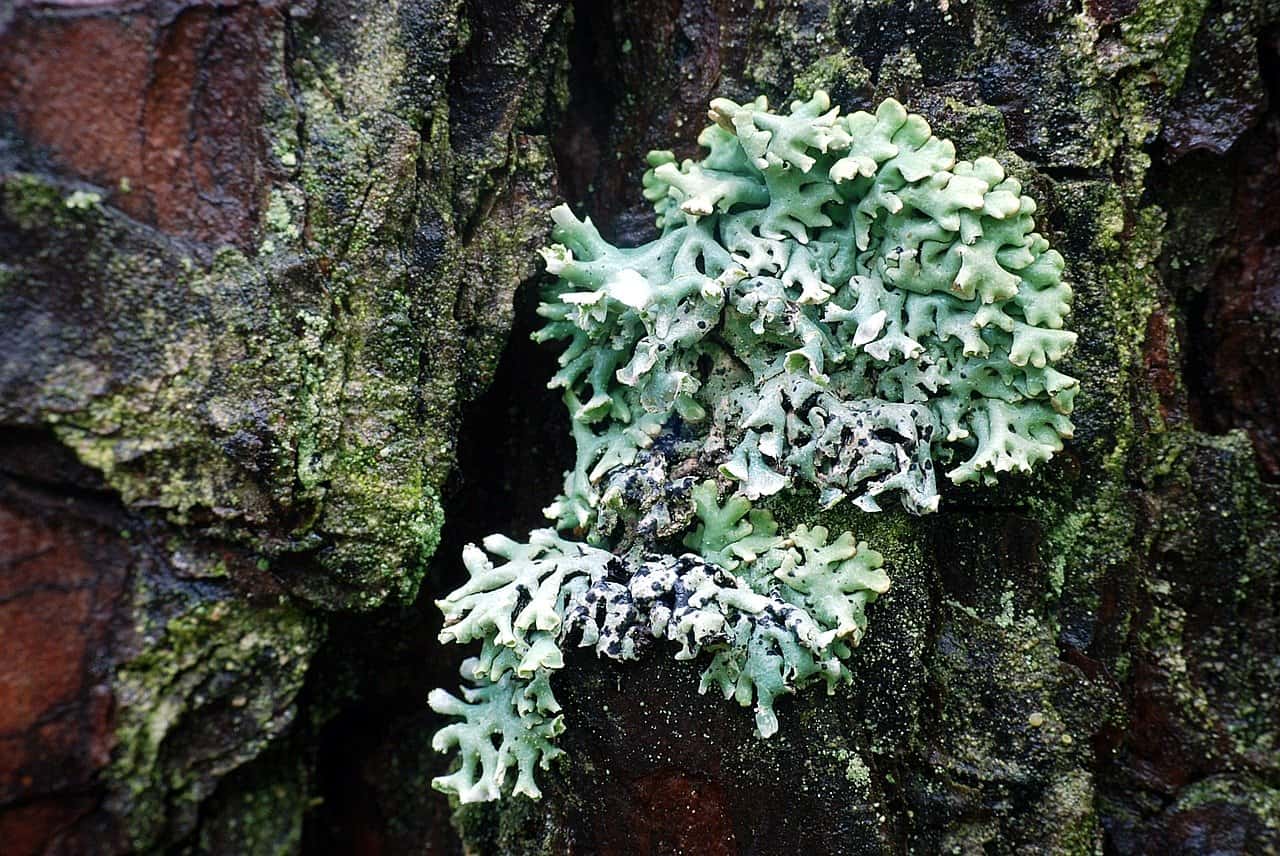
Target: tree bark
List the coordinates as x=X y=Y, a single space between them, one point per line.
x=267 y=279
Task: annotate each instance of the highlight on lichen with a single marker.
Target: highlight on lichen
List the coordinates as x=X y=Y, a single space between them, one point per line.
x=833 y=301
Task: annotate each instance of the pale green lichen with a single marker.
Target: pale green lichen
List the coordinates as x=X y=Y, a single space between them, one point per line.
x=84 y=200
x=834 y=300
x=789 y=617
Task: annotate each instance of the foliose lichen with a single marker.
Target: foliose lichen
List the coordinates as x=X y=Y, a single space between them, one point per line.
x=833 y=300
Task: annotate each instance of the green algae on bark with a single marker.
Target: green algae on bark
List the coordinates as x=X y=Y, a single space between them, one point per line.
x=221 y=666
x=288 y=404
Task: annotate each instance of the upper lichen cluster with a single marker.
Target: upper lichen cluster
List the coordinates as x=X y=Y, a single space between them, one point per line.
x=837 y=299
x=833 y=299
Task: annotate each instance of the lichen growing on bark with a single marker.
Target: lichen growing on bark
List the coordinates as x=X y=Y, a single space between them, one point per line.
x=837 y=299
x=834 y=301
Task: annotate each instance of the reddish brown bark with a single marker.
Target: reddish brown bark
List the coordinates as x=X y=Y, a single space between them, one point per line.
x=59 y=593
x=159 y=102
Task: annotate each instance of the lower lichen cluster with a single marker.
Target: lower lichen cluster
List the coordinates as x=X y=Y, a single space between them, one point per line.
x=833 y=300
x=777 y=613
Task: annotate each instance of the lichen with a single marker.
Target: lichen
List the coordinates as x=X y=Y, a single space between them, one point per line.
x=788 y=617
x=834 y=304
x=863 y=304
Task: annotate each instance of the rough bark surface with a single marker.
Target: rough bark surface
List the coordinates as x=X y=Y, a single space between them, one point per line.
x=266 y=283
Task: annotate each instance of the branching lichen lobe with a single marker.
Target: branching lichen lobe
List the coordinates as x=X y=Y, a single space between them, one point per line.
x=833 y=300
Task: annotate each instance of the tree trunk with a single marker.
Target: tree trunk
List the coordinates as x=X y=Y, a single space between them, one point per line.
x=267 y=277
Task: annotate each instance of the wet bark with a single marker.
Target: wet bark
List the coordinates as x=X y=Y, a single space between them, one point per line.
x=267 y=276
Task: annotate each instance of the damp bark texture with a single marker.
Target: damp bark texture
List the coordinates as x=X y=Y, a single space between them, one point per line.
x=267 y=275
